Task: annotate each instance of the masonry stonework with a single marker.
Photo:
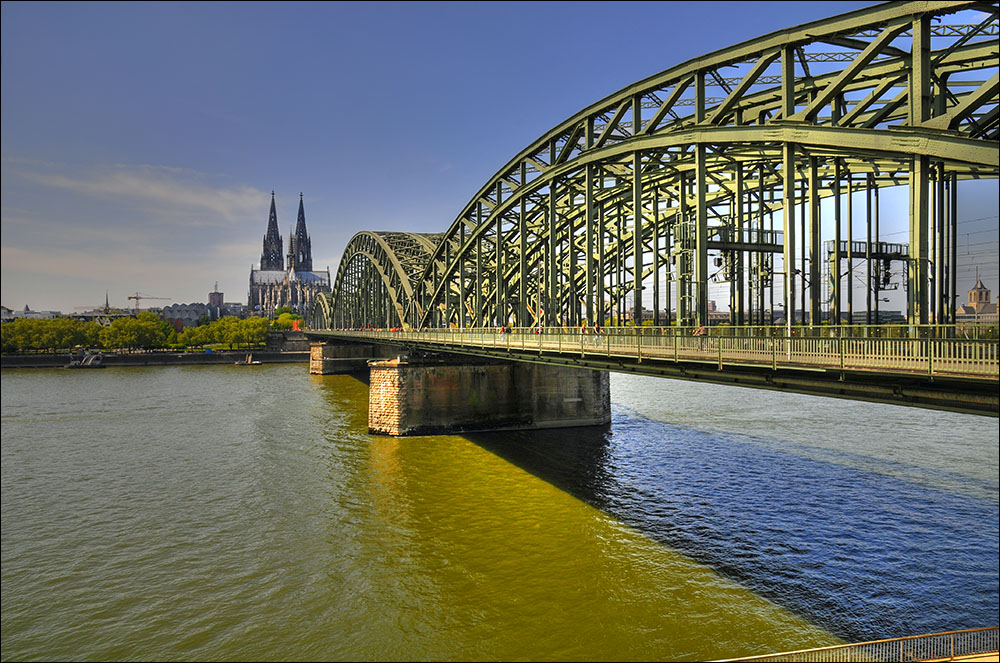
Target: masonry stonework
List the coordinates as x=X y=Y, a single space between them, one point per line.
x=428 y=397
x=333 y=359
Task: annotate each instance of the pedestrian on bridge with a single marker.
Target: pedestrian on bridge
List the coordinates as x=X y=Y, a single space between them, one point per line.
x=700 y=334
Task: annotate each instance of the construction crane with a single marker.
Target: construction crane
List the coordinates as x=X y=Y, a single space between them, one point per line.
x=137 y=296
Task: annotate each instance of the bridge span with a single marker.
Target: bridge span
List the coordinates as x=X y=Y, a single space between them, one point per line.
x=751 y=174
x=942 y=373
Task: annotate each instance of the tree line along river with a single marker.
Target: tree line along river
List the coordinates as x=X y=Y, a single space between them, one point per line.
x=233 y=513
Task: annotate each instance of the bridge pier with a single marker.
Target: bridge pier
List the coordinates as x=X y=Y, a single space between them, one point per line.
x=434 y=396
x=325 y=359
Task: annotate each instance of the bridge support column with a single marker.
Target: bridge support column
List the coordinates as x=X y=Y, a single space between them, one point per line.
x=420 y=396
x=343 y=358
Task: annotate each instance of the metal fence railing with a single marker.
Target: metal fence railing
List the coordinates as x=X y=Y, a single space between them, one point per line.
x=937 y=354
x=947 y=646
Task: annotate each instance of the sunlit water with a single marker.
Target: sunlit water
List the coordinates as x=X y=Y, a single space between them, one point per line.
x=244 y=513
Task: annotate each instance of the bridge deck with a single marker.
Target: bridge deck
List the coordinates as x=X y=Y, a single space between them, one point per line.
x=900 y=356
x=957 y=374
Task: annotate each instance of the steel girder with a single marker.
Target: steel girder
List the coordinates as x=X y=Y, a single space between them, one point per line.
x=729 y=155
x=375 y=281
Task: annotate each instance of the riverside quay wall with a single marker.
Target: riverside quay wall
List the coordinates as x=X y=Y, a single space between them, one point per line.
x=156 y=358
x=429 y=397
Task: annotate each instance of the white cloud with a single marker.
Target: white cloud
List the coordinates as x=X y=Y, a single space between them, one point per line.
x=239 y=251
x=74 y=264
x=64 y=279
x=163 y=187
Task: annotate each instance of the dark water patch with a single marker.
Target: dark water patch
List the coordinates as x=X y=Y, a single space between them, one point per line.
x=863 y=554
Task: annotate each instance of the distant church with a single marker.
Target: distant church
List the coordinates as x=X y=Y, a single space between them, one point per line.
x=273 y=285
x=979 y=308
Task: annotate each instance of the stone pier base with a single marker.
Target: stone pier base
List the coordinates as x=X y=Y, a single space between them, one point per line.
x=332 y=359
x=434 y=397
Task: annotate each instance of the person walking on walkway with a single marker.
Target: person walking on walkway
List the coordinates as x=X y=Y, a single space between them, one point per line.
x=700 y=334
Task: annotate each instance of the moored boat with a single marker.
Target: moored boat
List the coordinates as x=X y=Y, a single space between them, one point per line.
x=249 y=361
x=88 y=360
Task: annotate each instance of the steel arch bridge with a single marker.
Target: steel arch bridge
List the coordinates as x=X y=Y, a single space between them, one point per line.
x=714 y=171
x=378 y=280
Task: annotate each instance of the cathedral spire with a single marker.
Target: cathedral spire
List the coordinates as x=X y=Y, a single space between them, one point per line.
x=272 y=258
x=303 y=246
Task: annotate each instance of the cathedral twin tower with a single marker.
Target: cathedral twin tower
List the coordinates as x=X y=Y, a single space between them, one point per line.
x=299 y=246
x=296 y=285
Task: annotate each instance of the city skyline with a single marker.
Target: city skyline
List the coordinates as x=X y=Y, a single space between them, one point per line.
x=141 y=142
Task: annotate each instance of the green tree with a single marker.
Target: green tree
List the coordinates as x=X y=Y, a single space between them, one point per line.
x=134 y=333
x=197 y=336
x=227 y=330
x=156 y=320
x=24 y=334
x=19 y=335
x=284 y=320
x=90 y=334
x=254 y=330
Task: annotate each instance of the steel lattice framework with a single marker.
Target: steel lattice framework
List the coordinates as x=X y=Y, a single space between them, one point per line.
x=378 y=280
x=714 y=171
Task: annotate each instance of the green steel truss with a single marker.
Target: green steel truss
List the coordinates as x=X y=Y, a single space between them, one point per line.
x=714 y=171
x=377 y=281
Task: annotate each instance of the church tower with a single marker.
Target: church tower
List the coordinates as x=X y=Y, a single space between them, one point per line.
x=302 y=244
x=979 y=296
x=272 y=259
x=292 y=264
x=286 y=280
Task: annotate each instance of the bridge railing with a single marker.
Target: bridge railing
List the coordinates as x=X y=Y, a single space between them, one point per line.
x=968 y=331
x=916 y=354
x=947 y=646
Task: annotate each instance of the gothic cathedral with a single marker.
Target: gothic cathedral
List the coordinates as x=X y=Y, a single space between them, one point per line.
x=275 y=285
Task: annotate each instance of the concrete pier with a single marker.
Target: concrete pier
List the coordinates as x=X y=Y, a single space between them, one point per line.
x=331 y=359
x=432 y=396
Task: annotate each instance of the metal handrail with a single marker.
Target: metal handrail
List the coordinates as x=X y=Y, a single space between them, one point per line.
x=930 y=647
x=902 y=355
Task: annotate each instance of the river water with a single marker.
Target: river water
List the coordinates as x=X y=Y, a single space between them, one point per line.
x=234 y=513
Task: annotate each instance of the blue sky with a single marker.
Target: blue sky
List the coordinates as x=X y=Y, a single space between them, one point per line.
x=141 y=141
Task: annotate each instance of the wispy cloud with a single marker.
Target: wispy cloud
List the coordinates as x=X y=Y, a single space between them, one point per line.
x=61 y=279
x=162 y=187
x=70 y=230
x=74 y=265
x=238 y=251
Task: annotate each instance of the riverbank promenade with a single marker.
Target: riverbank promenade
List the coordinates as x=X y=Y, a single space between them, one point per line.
x=155 y=358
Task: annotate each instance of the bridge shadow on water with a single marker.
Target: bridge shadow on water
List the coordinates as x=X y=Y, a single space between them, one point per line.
x=860 y=553
x=866 y=551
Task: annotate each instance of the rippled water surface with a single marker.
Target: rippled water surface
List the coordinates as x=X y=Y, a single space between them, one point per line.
x=244 y=513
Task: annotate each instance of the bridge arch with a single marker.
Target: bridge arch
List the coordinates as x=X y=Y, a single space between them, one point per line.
x=376 y=281
x=715 y=171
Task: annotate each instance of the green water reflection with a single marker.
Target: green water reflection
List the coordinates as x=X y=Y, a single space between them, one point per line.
x=518 y=569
